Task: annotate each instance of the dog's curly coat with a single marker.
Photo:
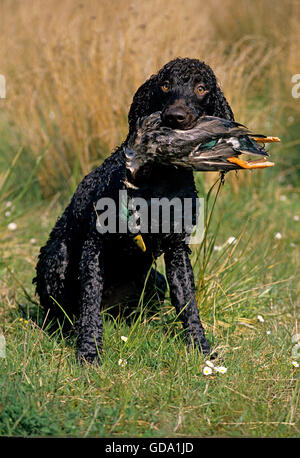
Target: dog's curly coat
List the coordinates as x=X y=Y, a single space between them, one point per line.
x=85 y=271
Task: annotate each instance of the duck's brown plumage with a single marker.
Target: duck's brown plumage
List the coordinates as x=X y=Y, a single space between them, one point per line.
x=213 y=144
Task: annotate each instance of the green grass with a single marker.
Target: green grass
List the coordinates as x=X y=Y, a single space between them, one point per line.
x=162 y=391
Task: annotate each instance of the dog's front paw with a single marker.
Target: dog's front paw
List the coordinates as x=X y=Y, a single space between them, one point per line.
x=88 y=352
x=205 y=347
x=207 y=351
x=87 y=357
x=200 y=342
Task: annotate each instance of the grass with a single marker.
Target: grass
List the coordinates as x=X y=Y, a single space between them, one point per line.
x=70 y=79
x=161 y=391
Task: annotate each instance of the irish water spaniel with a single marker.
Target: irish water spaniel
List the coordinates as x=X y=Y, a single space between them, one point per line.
x=83 y=271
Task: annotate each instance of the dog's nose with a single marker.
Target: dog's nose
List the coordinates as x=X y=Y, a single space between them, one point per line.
x=176 y=117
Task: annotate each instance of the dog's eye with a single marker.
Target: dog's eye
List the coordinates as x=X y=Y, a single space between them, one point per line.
x=166 y=86
x=199 y=89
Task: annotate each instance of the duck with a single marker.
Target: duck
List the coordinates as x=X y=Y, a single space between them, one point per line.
x=213 y=144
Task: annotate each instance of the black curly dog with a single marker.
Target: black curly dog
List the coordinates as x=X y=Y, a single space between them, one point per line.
x=84 y=271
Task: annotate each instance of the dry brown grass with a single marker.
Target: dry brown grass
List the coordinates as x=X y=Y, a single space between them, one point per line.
x=73 y=67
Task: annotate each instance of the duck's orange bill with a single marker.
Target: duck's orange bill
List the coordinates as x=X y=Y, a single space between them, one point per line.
x=266 y=139
x=259 y=164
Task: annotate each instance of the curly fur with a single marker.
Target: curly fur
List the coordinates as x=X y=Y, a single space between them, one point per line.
x=85 y=271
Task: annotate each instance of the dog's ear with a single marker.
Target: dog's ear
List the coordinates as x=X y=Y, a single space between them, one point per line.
x=143 y=103
x=219 y=105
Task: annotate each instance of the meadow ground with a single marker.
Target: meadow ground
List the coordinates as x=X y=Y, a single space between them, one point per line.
x=70 y=78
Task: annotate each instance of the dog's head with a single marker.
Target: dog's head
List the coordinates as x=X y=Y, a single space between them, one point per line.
x=182 y=90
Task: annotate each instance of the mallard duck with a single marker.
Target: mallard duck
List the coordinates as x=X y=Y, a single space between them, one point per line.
x=214 y=144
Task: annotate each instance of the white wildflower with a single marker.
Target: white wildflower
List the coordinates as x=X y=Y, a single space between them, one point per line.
x=12 y=226
x=8 y=204
x=218 y=247
x=124 y=338
x=207 y=370
x=209 y=364
x=278 y=236
x=221 y=369
x=295 y=364
x=7 y=214
x=231 y=241
x=296 y=218
x=283 y=198
x=260 y=318
x=268 y=333
x=32 y=241
x=122 y=362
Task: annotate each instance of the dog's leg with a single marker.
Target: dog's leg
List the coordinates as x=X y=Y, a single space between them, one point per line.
x=51 y=279
x=91 y=273
x=182 y=291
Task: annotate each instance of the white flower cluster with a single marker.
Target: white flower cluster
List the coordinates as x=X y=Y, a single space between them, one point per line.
x=10 y=226
x=210 y=367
